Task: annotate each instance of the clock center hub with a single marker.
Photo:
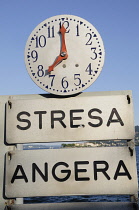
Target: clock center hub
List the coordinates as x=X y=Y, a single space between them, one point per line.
x=63 y=54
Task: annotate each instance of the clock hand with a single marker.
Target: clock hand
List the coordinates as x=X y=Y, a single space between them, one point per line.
x=63 y=52
x=56 y=62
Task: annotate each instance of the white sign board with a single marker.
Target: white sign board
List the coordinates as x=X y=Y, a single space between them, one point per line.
x=84 y=117
x=78 y=171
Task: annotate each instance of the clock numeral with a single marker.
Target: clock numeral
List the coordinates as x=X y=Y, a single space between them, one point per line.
x=40 y=41
x=40 y=71
x=77 y=78
x=52 y=77
x=34 y=55
x=64 y=83
x=51 y=32
x=94 y=52
x=66 y=25
x=89 y=69
x=89 y=42
x=77 y=32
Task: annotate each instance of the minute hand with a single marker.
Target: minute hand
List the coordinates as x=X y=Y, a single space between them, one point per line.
x=63 y=52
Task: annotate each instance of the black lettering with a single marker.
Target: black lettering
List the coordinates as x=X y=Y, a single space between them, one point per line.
x=111 y=120
x=35 y=168
x=103 y=170
x=77 y=170
x=125 y=173
x=95 y=117
x=72 y=118
x=15 y=176
x=40 y=113
x=68 y=172
x=60 y=119
x=23 y=120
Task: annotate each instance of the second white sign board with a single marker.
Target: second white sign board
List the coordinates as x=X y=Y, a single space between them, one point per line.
x=79 y=171
x=83 y=117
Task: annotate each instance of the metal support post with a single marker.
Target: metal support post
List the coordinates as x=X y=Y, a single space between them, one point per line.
x=19 y=200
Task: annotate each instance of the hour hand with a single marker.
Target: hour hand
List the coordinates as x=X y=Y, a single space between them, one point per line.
x=60 y=58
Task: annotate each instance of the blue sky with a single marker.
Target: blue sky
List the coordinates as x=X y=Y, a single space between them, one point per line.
x=117 y=21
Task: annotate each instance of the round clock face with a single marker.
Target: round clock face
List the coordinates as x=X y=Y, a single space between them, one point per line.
x=64 y=54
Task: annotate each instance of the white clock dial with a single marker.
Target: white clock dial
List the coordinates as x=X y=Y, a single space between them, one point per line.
x=71 y=71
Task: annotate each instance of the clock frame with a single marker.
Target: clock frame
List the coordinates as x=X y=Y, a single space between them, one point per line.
x=85 y=55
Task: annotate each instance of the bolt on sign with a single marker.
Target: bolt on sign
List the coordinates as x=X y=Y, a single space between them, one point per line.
x=83 y=171
x=84 y=117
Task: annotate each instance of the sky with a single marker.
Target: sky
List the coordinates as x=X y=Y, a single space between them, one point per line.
x=117 y=21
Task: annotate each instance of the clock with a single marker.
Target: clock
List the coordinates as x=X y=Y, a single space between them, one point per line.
x=64 y=54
